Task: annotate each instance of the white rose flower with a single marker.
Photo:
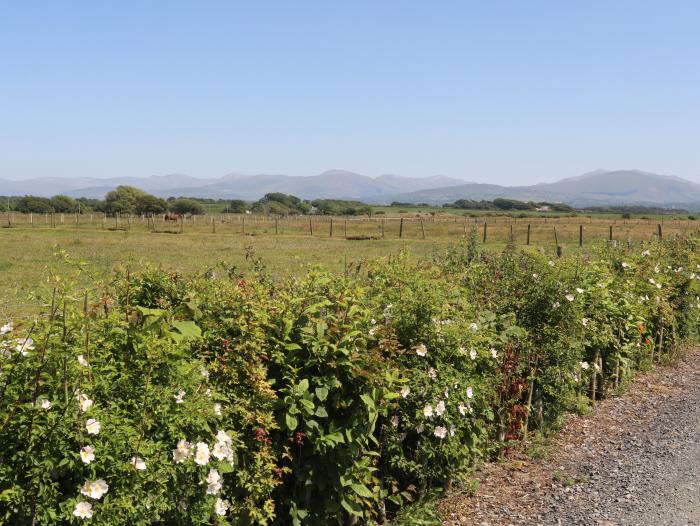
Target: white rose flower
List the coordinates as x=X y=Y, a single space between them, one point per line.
x=494 y=353
x=6 y=328
x=182 y=451
x=472 y=354
x=83 y=510
x=462 y=409
x=579 y=290
x=222 y=436
x=82 y=361
x=85 y=404
x=180 y=396
x=220 y=507
x=44 y=403
x=584 y=365
x=24 y=346
x=93 y=426
x=94 y=489
x=440 y=432
x=405 y=391
x=440 y=408
x=201 y=456
x=570 y=297
x=432 y=373
x=87 y=454
x=217 y=409
x=214 y=483
x=222 y=450
x=473 y=327
x=203 y=372
x=421 y=350
x=138 y=463
x=428 y=411
x=470 y=392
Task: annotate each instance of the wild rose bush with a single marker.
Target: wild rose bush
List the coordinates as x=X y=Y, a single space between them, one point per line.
x=222 y=400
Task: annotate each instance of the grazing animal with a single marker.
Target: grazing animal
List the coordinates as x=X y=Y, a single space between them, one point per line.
x=171 y=217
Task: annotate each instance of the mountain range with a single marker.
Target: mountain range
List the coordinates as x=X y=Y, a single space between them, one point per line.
x=600 y=187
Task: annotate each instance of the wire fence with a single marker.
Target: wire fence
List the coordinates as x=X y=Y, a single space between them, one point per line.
x=528 y=230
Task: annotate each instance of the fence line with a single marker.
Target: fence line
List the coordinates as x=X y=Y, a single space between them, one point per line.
x=527 y=230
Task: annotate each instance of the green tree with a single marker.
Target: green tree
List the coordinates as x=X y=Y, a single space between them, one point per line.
x=238 y=206
x=150 y=204
x=122 y=200
x=32 y=204
x=64 y=204
x=187 y=206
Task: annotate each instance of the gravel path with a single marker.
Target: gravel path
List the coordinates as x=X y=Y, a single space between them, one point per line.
x=635 y=460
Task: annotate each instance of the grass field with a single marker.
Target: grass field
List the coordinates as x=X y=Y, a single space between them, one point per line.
x=30 y=247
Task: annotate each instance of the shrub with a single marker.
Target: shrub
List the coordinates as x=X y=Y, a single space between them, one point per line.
x=371 y=391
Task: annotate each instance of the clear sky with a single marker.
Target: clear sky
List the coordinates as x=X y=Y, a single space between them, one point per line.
x=510 y=92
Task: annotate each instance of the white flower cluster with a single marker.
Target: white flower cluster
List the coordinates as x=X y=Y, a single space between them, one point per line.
x=221 y=451
x=20 y=345
x=440 y=409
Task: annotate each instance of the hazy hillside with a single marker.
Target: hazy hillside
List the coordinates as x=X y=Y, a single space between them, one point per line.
x=333 y=183
x=594 y=188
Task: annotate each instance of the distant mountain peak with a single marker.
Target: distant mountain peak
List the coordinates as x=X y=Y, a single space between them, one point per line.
x=596 y=187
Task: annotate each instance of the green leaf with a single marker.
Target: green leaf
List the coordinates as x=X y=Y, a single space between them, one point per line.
x=291 y=421
x=352 y=507
x=362 y=490
x=321 y=393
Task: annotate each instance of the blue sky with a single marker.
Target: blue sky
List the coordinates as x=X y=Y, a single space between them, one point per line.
x=509 y=92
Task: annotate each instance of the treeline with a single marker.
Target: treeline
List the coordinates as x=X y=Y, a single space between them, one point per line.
x=509 y=205
x=277 y=203
x=124 y=200
x=128 y=200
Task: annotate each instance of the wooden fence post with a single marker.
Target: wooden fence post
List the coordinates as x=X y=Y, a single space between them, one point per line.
x=610 y=235
x=422 y=227
x=527 y=242
x=484 y=231
x=401 y=228
x=311 y=227
x=331 y=228
x=276 y=226
x=580 y=235
x=382 y=228
x=659 y=231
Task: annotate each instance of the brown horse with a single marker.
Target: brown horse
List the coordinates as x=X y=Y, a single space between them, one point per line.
x=171 y=217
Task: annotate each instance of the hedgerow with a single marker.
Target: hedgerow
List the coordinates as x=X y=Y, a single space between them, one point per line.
x=171 y=399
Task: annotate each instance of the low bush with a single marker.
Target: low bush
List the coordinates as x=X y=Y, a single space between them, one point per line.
x=222 y=399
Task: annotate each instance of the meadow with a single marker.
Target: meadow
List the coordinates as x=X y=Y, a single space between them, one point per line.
x=32 y=245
